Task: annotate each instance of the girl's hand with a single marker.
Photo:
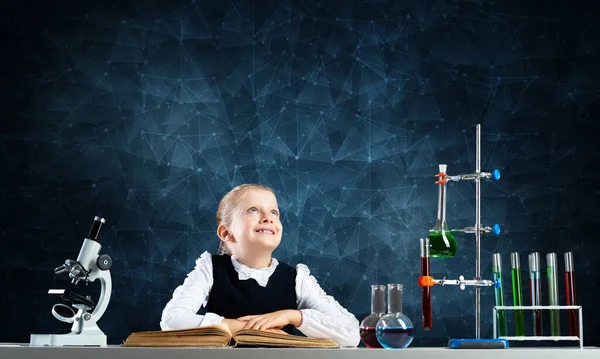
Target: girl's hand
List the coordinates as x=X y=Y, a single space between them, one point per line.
x=277 y=320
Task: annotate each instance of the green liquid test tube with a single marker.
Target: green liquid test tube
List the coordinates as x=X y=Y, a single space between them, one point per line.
x=517 y=289
x=501 y=314
x=552 y=273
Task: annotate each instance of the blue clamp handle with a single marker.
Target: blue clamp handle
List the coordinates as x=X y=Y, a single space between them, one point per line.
x=496 y=229
x=497 y=283
x=496 y=174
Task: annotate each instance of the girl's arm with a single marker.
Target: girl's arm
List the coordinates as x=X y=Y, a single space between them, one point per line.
x=322 y=315
x=188 y=298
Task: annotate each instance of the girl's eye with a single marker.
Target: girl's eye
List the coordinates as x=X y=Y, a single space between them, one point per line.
x=274 y=212
x=253 y=210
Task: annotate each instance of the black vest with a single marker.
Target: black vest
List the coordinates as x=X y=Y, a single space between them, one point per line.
x=233 y=298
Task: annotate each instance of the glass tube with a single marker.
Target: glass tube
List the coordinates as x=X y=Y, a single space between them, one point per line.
x=425 y=290
x=517 y=290
x=501 y=314
x=552 y=274
x=535 y=288
x=570 y=287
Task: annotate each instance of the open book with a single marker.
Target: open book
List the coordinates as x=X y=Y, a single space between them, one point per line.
x=220 y=336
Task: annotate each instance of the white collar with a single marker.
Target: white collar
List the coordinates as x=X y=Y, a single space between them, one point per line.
x=260 y=275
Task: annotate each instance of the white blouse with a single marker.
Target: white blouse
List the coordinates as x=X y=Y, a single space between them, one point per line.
x=322 y=315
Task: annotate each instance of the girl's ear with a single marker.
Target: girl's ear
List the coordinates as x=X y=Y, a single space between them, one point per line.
x=224 y=233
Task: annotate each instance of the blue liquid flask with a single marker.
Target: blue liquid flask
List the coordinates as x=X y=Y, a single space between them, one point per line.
x=395 y=330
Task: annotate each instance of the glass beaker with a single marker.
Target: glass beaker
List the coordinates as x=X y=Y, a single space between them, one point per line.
x=441 y=240
x=395 y=330
x=369 y=324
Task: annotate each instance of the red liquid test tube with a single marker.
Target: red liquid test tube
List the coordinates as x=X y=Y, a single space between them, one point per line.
x=572 y=315
x=426 y=290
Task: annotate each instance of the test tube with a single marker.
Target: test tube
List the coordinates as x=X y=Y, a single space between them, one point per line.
x=535 y=288
x=553 y=293
x=501 y=314
x=570 y=286
x=517 y=290
x=426 y=290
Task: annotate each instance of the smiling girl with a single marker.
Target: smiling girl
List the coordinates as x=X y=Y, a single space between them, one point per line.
x=244 y=287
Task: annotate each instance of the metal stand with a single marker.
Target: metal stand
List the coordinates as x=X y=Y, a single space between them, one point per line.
x=477 y=229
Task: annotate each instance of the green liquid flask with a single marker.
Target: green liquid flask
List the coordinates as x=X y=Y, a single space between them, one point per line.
x=441 y=240
x=517 y=289
x=499 y=294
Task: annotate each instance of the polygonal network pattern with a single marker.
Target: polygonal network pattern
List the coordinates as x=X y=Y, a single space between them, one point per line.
x=148 y=112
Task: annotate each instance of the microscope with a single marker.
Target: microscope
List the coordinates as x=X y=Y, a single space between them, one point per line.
x=88 y=267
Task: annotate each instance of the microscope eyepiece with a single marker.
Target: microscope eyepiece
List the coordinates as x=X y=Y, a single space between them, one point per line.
x=95 y=230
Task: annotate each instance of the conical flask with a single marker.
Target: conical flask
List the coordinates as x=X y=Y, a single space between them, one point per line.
x=441 y=240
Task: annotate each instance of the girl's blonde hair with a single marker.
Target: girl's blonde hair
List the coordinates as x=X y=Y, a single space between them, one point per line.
x=228 y=204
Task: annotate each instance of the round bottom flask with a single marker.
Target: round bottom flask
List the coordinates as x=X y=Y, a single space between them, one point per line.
x=395 y=330
x=368 y=325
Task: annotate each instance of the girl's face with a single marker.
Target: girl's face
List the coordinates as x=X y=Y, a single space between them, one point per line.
x=255 y=225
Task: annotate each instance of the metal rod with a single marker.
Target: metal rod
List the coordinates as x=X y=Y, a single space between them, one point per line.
x=544 y=337
x=464 y=282
x=580 y=328
x=477 y=230
x=533 y=307
x=494 y=320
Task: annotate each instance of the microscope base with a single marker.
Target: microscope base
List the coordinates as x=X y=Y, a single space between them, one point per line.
x=70 y=339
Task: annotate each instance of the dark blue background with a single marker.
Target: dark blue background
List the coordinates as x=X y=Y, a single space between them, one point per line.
x=147 y=112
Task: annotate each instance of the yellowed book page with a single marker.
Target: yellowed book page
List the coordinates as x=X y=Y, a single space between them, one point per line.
x=218 y=342
x=217 y=335
x=256 y=337
x=219 y=329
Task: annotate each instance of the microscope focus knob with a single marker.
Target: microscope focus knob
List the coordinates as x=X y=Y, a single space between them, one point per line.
x=104 y=262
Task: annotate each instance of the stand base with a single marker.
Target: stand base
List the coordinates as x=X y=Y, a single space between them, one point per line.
x=71 y=339
x=478 y=344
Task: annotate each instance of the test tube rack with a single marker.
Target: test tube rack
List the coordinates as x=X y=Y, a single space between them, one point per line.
x=574 y=315
x=579 y=337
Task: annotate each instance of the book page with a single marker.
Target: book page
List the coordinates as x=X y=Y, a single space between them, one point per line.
x=212 y=336
x=263 y=338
